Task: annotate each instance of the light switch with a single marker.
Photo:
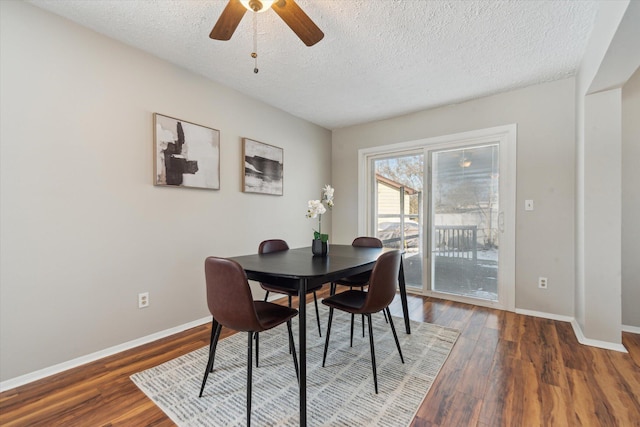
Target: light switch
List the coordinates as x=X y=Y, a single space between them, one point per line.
x=528 y=205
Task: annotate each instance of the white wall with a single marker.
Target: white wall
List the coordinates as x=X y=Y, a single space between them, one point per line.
x=631 y=201
x=545 y=117
x=602 y=216
x=611 y=57
x=82 y=228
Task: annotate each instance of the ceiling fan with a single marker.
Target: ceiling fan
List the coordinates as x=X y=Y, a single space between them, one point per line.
x=288 y=10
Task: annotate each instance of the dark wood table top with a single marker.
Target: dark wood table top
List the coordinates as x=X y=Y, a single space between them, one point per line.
x=294 y=265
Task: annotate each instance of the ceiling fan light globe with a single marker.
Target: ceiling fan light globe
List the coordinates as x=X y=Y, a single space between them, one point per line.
x=257 y=6
x=464 y=162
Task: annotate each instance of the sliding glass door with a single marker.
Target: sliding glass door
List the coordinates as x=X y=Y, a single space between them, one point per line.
x=397 y=183
x=465 y=206
x=449 y=204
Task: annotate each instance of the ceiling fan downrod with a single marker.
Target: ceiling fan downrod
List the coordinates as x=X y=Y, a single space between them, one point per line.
x=254 y=54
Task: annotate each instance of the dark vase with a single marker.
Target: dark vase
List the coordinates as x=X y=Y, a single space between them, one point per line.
x=319 y=248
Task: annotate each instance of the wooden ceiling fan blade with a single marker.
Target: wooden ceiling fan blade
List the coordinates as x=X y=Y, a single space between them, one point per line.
x=298 y=21
x=228 y=21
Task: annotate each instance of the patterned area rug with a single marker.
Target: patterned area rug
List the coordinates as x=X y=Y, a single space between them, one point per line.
x=341 y=393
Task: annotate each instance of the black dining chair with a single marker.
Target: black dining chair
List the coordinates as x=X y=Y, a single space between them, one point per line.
x=380 y=293
x=231 y=304
x=359 y=280
x=276 y=245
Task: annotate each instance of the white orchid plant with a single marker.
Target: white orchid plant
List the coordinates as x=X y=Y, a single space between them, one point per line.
x=316 y=208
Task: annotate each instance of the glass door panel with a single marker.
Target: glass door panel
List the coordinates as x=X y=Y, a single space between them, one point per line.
x=464 y=227
x=398 y=219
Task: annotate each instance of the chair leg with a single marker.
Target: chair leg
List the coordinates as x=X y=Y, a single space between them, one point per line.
x=293 y=346
x=257 y=338
x=315 y=300
x=351 y=339
x=363 y=326
x=214 y=326
x=395 y=336
x=214 y=343
x=385 y=316
x=326 y=342
x=212 y=355
x=249 y=376
x=373 y=354
x=266 y=296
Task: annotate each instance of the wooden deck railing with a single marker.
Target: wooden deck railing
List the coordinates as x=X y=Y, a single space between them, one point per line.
x=456 y=241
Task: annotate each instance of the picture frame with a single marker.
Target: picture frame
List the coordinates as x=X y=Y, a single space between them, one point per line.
x=263 y=167
x=185 y=154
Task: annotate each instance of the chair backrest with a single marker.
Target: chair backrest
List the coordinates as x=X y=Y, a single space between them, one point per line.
x=383 y=282
x=229 y=296
x=367 y=242
x=272 y=245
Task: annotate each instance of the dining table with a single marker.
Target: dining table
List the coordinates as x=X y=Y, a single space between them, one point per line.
x=299 y=269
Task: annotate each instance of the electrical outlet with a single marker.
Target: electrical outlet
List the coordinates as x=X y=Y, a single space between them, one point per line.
x=542 y=282
x=143 y=300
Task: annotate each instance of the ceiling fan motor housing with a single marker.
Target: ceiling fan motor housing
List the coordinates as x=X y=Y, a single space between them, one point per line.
x=255 y=5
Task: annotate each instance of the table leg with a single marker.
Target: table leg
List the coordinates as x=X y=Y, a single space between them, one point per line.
x=403 y=297
x=302 y=330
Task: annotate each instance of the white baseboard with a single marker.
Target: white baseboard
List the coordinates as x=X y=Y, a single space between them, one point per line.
x=74 y=363
x=631 y=329
x=576 y=330
x=595 y=343
x=544 y=315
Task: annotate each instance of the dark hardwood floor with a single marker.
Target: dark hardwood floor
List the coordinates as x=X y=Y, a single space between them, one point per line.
x=505 y=370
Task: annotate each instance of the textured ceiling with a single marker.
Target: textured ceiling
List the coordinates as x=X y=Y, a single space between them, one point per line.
x=378 y=59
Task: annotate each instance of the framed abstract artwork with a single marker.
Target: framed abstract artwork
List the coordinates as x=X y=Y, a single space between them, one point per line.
x=186 y=154
x=263 y=168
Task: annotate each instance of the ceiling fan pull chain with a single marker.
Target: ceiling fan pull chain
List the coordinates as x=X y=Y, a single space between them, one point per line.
x=254 y=54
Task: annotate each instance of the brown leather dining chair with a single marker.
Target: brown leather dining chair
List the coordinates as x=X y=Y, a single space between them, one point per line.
x=276 y=245
x=231 y=304
x=359 y=280
x=381 y=291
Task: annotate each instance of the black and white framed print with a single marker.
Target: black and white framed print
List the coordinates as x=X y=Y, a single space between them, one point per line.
x=263 y=168
x=186 y=154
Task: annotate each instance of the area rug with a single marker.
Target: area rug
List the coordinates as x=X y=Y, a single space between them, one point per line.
x=341 y=393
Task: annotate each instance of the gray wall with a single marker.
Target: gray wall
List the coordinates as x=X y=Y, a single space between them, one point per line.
x=631 y=202
x=82 y=229
x=545 y=116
